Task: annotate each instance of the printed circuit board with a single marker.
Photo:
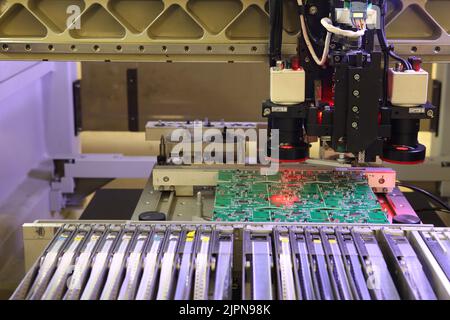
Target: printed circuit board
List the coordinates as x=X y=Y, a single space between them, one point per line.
x=296 y=196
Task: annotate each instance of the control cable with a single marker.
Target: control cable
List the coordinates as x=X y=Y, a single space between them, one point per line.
x=432 y=210
x=383 y=40
x=436 y=199
x=276 y=30
x=305 y=35
x=331 y=29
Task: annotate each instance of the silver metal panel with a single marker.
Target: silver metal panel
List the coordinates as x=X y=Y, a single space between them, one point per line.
x=194 y=30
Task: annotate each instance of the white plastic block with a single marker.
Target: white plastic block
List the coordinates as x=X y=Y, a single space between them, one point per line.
x=407 y=88
x=287 y=86
x=343 y=16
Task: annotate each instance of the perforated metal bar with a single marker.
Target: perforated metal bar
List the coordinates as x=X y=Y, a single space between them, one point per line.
x=187 y=30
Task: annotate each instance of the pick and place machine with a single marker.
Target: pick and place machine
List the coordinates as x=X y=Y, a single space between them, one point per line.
x=332 y=227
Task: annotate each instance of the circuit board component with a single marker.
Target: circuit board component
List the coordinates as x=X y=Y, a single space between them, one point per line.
x=296 y=196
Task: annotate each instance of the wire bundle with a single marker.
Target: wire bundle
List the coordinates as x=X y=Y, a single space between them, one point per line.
x=331 y=29
x=276 y=30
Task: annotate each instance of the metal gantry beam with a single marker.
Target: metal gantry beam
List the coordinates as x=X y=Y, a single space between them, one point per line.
x=187 y=30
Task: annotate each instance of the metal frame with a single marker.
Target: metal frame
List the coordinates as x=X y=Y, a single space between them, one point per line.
x=194 y=30
x=432 y=42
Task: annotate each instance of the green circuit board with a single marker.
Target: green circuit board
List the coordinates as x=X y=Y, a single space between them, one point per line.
x=296 y=196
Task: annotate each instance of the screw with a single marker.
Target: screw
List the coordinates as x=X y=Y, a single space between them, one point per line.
x=313 y=10
x=356 y=93
x=357 y=77
x=430 y=113
x=337 y=58
x=166 y=179
x=355 y=109
x=354 y=125
x=307 y=60
x=266 y=111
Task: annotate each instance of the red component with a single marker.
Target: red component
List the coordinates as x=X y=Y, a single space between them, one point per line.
x=285 y=200
x=320 y=117
x=386 y=207
x=286 y=147
x=295 y=63
x=327 y=91
x=403 y=162
x=416 y=63
x=379 y=118
x=402 y=148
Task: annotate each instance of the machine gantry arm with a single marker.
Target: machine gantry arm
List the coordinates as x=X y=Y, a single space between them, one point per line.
x=193 y=30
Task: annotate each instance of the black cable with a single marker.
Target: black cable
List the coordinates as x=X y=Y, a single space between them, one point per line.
x=436 y=199
x=432 y=210
x=385 y=87
x=276 y=30
x=313 y=38
x=385 y=78
x=383 y=40
x=387 y=52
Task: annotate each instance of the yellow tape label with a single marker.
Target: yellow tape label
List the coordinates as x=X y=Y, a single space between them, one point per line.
x=190 y=236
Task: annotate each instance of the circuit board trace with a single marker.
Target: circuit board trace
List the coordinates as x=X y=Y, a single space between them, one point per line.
x=296 y=196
